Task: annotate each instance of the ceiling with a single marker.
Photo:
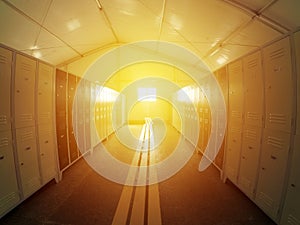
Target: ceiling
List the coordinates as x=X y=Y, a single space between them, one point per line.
x=218 y=31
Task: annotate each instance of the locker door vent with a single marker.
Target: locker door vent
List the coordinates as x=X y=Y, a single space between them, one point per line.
x=27 y=136
x=3 y=119
x=292 y=220
x=277 y=118
x=252 y=63
x=236 y=114
x=45 y=116
x=26 y=67
x=278 y=53
x=265 y=200
x=4 y=142
x=253 y=116
x=4 y=59
x=236 y=129
x=275 y=142
x=26 y=117
x=8 y=201
x=250 y=134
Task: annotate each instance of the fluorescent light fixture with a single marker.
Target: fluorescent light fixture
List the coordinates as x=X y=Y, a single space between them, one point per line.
x=99 y=4
x=221 y=60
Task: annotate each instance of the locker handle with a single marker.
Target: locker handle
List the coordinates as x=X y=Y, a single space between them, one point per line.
x=293 y=185
x=18 y=91
x=61 y=136
x=234 y=140
x=250 y=147
x=1 y=157
x=273 y=157
x=22 y=164
x=28 y=148
x=46 y=142
x=263 y=168
x=42 y=154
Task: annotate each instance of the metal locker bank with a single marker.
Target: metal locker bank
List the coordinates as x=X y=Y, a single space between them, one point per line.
x=161 y=112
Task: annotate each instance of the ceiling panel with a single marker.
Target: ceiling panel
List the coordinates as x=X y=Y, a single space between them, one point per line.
x=227 y=54
x=286 y=12
x=79 y=23
x=131 y=20
x=255 y=5
x=16 y=31
x=204 y=21
x=255 y=34
x=35 y=9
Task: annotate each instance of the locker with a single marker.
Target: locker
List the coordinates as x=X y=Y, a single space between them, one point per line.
x=253 y=85
x=5 y=84
x=87 y=121
x=233 y=151
x=45 y=93
x=222 y=78
x=220 y=156
x=291 y=210
x=60 y=97
x=236 y=92
x=24 y=91
x=72 y=85
x=251 y=146
x=62 y=145
x=47 y=152
x=9 y=194
x=278 y=85
x=28 y=160
x=80 y=116
x=297 y=45
x=275 y=150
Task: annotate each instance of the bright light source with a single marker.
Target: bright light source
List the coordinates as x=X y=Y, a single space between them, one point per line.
x=37 y=54
x=147 y=94
x=73 y=24
x=222 y=59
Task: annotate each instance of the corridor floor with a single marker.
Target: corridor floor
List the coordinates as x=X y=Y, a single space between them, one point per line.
x=83 y=197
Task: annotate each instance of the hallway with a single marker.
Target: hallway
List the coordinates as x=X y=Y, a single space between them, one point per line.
x=83 y=197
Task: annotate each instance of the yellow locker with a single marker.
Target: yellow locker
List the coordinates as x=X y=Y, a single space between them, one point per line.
x=233 y=151
x=87 y=121
x=253 y=85
x=9 y=193
x=5 y=84
x=28 y=160
x=273 y=164
x=45 y=93
x=291 y=211
x=297 y=45
x=24 y=91
x=250 y=155
x=47 y=152
x=278 y=85
x=222 y=78
x=236 y=92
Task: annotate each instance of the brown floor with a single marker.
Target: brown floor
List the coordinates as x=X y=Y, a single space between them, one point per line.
x=85 y=198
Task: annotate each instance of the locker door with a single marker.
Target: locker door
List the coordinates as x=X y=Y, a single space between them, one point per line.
x=297 y=45
x=278 y=85
x=236 y=92
x=9 y=194
x=87 y=102
x=28 y=160
x=251 y=146
x=222 y=78
x=47 y=152
x=45 y=93
x=72 y=85
x=5 y=83
x=253 y=84
x=233 y=151
x=61 y=83
x=272 y=172
x=291 y=211
x=62 y=146
x=24 y=91
x=80 y=116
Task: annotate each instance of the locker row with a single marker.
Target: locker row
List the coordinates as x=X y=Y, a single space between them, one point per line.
x=28 y=157
x=262 y=126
